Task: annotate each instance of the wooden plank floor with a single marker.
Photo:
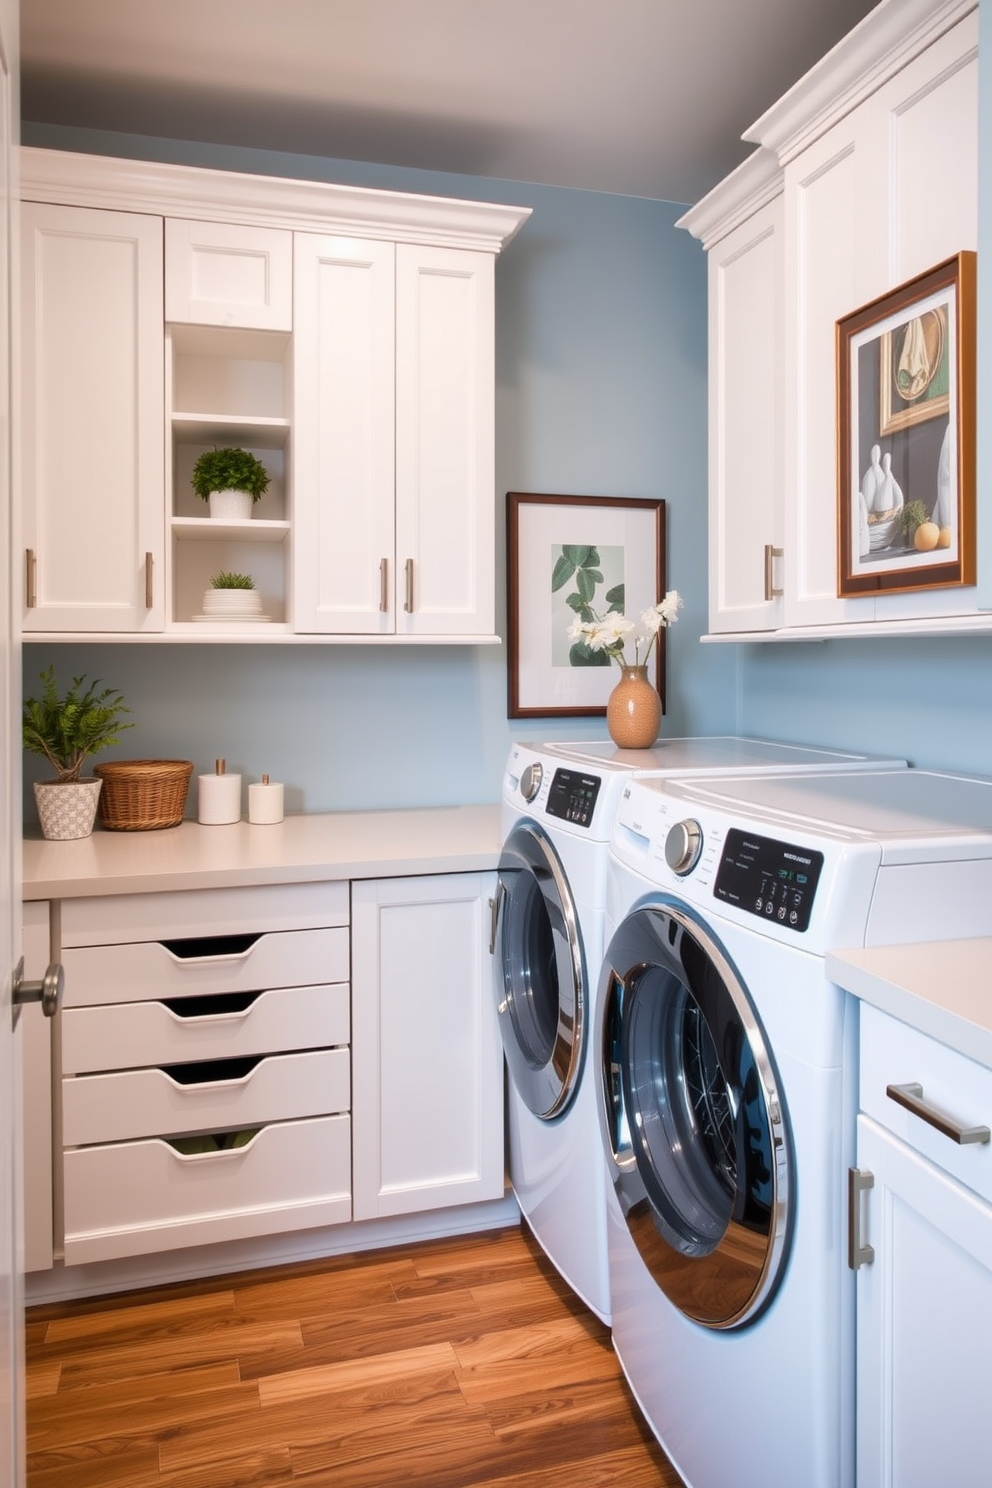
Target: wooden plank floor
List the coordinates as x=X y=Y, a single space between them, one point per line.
x=444 y=1365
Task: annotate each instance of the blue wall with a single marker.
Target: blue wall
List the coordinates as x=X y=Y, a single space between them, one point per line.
x=601 y=390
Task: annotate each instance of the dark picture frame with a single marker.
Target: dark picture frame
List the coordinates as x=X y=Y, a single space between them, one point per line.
x=557 y=547
x=906 y=435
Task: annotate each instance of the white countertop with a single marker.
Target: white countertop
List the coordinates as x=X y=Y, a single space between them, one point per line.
x=300 y=849
x=942 y=987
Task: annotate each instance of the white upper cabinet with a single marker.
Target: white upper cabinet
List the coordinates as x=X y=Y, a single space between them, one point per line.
x=344 y=376
x=344 y=336
x=876 y=154
x=224 y=274
x=92 y=489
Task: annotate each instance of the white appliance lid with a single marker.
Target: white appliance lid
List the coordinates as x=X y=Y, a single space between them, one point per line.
x=718 y=752
x=896 y=808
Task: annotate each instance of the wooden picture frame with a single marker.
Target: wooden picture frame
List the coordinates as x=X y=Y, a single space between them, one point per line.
x=906 y=436
x=625 y=540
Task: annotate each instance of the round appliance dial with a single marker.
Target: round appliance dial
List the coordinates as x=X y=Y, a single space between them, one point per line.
x=530 y=780
x=683 y=845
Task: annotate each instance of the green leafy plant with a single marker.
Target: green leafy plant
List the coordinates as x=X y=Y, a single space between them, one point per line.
x=913 y=515
x=229 y=470
x=580 y=564
x=225 y=580
x=66 y=730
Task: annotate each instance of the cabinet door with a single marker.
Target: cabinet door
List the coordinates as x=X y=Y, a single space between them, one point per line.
x=92 y=400
x=445 y=389
x=427 y=1083
x=224 y=274
x=829 y=212
x=924 y=1324
x=343 y=435
x=34 y=1042
x=746 y=351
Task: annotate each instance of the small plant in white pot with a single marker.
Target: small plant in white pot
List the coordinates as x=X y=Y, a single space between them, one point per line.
x=66 y=730
x=230 y=480
x=232 y=596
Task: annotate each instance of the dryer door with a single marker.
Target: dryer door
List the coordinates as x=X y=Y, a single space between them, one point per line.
x=540 y=987
x=696 y=1128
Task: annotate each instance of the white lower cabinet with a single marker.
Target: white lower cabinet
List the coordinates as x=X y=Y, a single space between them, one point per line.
x=924 y=1287
x=426 y=1055
x=205 y=1086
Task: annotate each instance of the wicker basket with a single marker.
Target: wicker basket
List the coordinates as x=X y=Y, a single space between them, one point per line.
x=142 y=795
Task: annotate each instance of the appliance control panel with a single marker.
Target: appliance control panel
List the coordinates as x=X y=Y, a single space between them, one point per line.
x=573 y=796
x=773 y=880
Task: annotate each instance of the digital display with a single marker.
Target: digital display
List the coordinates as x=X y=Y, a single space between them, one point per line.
x=773 y=880
x=573 y=796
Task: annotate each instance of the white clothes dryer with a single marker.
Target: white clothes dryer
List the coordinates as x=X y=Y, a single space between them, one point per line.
x=726 y=1091
x=559 y=801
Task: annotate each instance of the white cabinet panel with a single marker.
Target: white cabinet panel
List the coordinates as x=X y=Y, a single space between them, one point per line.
x=428 y=1084
x=746 y=350
x=445 y=394
x=224 y=274
x=92 y=400
x=344 y=362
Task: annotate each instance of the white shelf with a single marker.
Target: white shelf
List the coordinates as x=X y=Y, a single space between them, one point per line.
x=227 y=428
x=946 y=625
x=209 y=529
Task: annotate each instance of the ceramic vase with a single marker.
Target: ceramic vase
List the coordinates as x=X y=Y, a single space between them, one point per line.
x=231 y=506
x=66 y=809
x=633 y=712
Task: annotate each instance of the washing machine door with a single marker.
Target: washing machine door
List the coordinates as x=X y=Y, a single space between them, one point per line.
x=695 y=1125
x=540 y=985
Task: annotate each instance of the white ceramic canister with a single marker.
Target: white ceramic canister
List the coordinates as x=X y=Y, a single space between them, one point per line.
x=218 y=797
x=265 y=802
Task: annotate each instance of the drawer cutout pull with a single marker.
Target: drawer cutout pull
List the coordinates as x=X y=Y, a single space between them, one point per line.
x=910 y=1096
x=211 y=1071
x=212 y=1007
x=210 y=950
x=213 y=1144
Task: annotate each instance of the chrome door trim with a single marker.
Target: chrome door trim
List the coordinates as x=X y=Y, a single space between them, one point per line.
x=544 y=1061
x=721 y=1270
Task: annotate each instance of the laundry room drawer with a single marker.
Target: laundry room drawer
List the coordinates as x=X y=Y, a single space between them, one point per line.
x=139 y=1197
x=115 y=918
x=221 y=1095
x=196 y=966
x=893 y=1053
x=143 y=1033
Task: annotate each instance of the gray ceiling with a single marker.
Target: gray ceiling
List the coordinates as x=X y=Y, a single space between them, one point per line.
x=644 y=97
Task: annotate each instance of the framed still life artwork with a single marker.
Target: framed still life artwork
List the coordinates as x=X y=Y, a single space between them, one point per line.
x=569 y=556
x=906 y=436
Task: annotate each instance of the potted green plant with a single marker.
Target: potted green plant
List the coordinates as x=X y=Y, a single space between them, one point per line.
x=230 y=480
x=232 y=596
x=66 y=730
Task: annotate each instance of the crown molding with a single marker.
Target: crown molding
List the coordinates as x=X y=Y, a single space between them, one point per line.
x=264 y=201
x=756 y=181
x=887 y=39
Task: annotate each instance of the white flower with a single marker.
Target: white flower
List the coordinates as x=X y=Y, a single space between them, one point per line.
x=665 y=612
x=609 y=632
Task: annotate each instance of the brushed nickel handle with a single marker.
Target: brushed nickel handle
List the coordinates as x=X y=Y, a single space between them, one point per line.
x=384 y=586
x=771 y=553
x=408 y=602
x=149 y=588
x=49 y=991
x=911 y=1098
x=30 y=578
x=859 y=1252
x=495 y=904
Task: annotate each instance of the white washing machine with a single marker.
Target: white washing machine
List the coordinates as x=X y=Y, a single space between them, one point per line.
x=726 y=1091
x=559 y=801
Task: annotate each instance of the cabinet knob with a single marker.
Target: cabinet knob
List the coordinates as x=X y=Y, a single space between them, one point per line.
x=149 y=576
x=30 y=579
x=48 y=991
x=408 y=602
x=384 y=586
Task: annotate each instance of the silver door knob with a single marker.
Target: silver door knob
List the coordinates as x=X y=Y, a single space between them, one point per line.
x=530 y=780
x=48 y=991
